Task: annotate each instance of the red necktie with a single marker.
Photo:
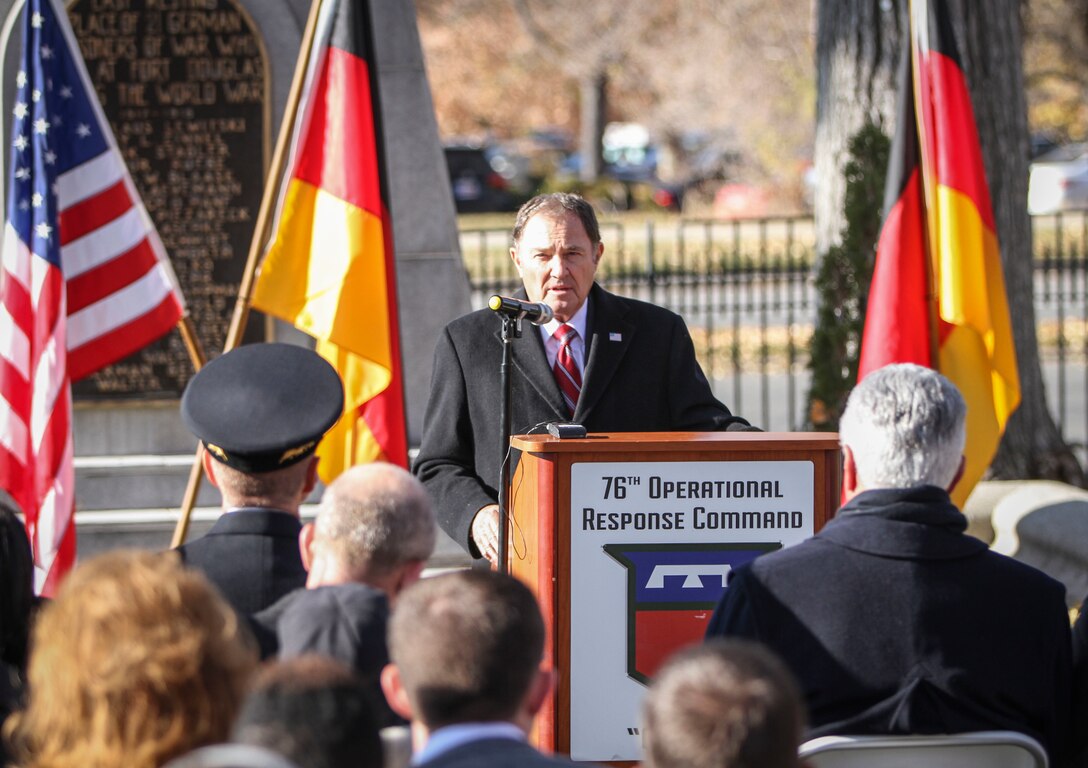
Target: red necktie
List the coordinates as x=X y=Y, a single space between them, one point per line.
x=565 y=369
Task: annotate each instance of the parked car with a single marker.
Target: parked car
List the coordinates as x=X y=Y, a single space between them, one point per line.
x=1059 y=180
x=477 y=186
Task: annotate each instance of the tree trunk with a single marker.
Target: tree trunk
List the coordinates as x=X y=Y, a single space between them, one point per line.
x=991 y=37
x=594 y=97
x=858 y=45
x=857 y=51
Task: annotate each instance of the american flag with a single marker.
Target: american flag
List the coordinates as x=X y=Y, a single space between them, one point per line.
x=84 y=279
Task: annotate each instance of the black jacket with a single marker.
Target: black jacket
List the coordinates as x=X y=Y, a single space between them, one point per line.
x=895 y=621
x=251 y=555
x=346 y=622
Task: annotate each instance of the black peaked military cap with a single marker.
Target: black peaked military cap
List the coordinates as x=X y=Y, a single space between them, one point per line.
x=262 y=407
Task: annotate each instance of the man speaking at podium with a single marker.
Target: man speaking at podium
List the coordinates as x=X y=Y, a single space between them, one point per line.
x=606 y=362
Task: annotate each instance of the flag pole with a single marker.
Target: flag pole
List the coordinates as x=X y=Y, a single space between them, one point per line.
x=192 y=341
x=914 y=30
x=196 y=354
x=260 y=233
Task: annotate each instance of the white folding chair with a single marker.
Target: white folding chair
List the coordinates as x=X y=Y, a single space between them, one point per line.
x=983 y=749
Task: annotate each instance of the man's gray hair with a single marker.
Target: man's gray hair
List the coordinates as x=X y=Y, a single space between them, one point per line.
x=905 y=425
x=376 y=517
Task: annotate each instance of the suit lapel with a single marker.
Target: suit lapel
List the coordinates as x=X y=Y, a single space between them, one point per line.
x=609 y=337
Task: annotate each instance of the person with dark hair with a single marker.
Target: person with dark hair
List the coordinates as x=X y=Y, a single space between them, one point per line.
x=466 y=651
x=609 y=363
x=259 y=411
x=137 y=660
x=16 y=589
x=723 y=704
x=16 y=609
x=314 y=711
x=893 y=620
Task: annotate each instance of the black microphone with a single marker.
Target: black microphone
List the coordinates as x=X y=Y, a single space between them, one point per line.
x=536 y=313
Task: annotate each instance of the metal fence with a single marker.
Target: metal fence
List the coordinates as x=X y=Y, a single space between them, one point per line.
x=745 y=289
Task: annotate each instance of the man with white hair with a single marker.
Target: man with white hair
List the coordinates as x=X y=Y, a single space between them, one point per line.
x=372 y=536
x=893 y=619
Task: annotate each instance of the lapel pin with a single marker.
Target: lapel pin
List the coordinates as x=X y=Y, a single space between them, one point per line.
x=615 y=337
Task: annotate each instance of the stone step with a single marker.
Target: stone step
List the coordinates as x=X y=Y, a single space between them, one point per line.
x=138 y=481
x=153 y=528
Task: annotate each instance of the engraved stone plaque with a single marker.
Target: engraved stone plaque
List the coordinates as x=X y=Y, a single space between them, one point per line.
x=185 y=86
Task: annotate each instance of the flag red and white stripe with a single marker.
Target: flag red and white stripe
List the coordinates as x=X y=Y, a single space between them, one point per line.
x=84 y=278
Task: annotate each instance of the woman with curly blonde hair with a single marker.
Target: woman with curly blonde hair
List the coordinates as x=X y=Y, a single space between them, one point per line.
x=137 y=661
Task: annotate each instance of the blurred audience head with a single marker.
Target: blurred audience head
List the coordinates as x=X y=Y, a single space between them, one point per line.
x=16 y=587
x=724 y=704
x=466 y=647
x=137 y=660
x=314 y=711
x=375 y=525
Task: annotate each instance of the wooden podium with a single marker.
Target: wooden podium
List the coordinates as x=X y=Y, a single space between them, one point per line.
x=627 y=540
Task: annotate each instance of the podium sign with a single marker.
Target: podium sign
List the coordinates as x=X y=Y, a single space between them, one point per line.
x=628 y=540
x=651 y=547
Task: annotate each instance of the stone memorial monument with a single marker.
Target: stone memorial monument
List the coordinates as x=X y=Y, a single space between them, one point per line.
x=195 y=91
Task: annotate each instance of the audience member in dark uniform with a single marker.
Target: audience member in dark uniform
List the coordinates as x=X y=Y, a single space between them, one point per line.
x=16 y=610
x=314 y=711
x=138 y=660
x=894 y=620
x=260 y=411
x=723 y=704
x=467 y=649
x=609 y=363
x=371 y=538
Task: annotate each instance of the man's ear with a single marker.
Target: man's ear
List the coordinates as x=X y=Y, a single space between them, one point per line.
x=849 y=474
x=395 y=693
x=538 y=693
x=959 y=474
x=306 y=545
x=409 y=573
x=311 y=476
x=209 y=465
x=599 y=254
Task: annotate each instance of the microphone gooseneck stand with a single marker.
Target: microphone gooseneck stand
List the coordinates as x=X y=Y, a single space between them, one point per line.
x=511 y=329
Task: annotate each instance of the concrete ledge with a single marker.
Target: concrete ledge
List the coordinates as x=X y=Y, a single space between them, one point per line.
x=1045 y=524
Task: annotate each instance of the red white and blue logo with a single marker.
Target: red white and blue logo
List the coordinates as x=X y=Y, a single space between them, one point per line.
x=671 y=591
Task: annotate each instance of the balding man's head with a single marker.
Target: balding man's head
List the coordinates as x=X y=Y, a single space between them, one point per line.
x=372 y=520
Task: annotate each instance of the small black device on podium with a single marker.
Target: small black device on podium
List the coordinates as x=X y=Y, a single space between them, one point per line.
x=563 y=431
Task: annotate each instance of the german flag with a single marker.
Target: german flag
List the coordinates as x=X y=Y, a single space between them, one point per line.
x=940 y=239
x=897 y=324
x=329 y=268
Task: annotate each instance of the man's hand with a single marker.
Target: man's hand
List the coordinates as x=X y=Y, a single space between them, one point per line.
x=485 y=532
